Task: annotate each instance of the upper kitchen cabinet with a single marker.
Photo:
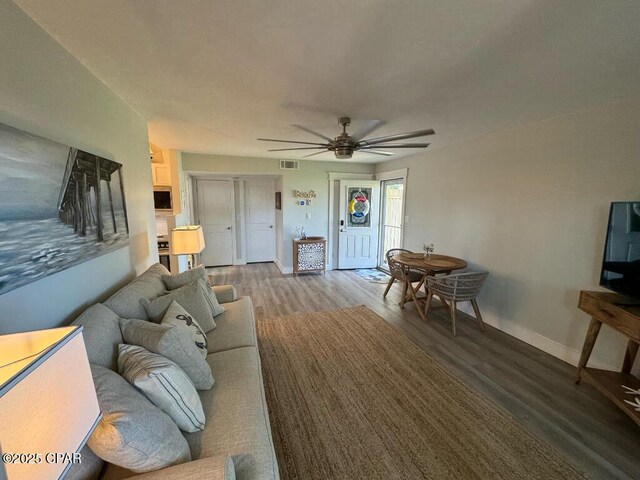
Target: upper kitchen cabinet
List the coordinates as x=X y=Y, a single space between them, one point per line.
x=161 y=174
x=160 y=167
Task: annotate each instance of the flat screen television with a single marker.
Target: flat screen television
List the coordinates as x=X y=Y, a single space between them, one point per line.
x=621 y=262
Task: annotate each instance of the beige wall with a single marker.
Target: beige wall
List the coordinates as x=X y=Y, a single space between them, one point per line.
x=531 y=205
x=312 y=175
x=47 y=92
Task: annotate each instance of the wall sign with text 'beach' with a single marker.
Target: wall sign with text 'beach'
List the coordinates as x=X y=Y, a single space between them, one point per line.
x=309 y=194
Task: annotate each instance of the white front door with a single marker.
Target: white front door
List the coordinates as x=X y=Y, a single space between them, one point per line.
x=215 y=214
x=260 y=218
x=359 y=218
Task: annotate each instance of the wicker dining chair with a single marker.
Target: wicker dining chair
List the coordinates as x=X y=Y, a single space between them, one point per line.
x=451 y=289
x=397 y=273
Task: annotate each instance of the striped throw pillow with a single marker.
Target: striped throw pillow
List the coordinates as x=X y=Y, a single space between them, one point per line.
x=164 y=384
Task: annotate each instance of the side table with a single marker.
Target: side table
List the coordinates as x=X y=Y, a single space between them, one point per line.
x=622 y=314
x=309 y=255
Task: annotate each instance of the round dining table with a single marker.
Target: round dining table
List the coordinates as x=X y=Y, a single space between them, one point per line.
x=432 y=264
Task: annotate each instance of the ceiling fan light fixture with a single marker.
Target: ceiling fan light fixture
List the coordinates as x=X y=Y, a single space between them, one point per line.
x=343 y=153
x=344 y=144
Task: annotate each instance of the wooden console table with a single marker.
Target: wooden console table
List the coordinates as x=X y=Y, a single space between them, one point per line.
x=622 y=314
x=309 y=255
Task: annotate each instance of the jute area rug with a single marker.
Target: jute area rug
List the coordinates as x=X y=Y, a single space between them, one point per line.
x=350 y=397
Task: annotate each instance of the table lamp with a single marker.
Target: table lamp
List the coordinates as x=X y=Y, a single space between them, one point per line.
x=48 y=404
x=187 y=240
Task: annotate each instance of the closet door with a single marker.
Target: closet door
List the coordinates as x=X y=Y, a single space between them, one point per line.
x=215 y=212
x=260 y=219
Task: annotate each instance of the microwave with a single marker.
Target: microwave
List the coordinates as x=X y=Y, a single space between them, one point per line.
x=162 y=199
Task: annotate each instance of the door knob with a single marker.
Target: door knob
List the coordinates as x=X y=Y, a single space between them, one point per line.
x=228 y=228
x=270 y=226
x=342 y=230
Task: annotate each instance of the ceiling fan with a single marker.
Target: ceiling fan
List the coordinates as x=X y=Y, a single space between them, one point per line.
x=344 y=144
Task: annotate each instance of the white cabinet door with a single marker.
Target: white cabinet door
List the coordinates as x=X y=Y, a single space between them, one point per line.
x=216 y=215
x=359 y=219
x=260 y=219
x=161 y=174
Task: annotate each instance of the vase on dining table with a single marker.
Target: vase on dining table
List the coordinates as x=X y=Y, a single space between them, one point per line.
x=428 y=250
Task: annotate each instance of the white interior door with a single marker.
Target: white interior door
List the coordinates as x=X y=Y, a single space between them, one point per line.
x=260 y=220
x=359 y=222
x=216 y=215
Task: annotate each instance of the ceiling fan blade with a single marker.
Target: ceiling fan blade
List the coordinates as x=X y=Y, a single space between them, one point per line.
x=396 y=145
x=399 y=136
x=378 y=152
x=366 y=129
x=317 y=153
x=308 y=130
x=298 y=148
x=288 y=141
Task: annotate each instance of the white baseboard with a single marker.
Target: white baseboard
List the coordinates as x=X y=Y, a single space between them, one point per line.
x=282 y=269
x=545 y=344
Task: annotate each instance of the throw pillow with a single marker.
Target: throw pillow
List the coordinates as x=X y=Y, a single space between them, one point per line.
x=101 y=333
x=178 y=280
x=164 y=383
x=196 y=298
x=170 y=342
x=133 y=433
x=88 y=469
x=178 y=317
x=126 y=301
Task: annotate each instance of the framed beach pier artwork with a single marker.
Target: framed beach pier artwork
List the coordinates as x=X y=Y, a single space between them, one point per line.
x=59 y=206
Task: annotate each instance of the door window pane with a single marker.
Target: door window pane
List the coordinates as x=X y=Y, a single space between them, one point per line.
x=392 y=198
x=359 y=207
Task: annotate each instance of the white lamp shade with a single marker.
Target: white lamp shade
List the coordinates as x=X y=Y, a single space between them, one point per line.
x=187 y=240
x=48 y=402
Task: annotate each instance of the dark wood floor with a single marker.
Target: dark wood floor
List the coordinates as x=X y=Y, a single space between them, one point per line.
x=536 y=388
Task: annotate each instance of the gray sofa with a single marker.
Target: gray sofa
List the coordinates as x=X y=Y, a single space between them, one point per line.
x=237 y=421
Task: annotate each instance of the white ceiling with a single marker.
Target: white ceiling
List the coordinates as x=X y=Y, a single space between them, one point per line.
x=211 y=76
